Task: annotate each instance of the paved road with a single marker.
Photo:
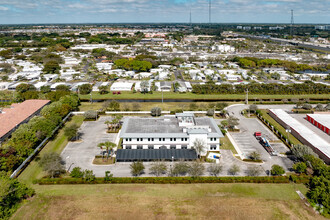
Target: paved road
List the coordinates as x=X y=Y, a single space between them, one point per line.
x=248 y=143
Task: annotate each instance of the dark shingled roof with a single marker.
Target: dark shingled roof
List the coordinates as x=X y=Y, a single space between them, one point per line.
x=155 y=154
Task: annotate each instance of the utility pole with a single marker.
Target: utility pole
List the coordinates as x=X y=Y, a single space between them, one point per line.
x=247 y=96
x=292 y=22
x=190 y=18
x=210 y=11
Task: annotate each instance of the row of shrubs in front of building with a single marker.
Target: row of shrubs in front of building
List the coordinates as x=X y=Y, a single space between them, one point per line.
x=175 y=180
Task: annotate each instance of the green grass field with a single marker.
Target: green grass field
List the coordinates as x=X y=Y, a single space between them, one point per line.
x=189 y=95
x=33 y=170
x=278 y=126
x=227 y=145
x=193 y=201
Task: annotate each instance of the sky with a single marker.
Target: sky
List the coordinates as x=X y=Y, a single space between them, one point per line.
x=162 y=11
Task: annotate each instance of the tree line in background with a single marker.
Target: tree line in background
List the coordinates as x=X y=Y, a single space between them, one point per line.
x=26 y=91
x=307 y=87
x=253 y=62
x=29 y=135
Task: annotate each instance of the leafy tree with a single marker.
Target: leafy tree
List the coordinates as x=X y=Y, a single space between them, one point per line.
x=253 y=108
x=210 y=112
x=300 y=167
x=77 y=172
x=22 y=88
x=137 y=168
x=232 y=122
x=71 y=131
x=319 y=192
x=158 y=168
x=179 y=169
x=255 y=155
x=156 y=111
x=300 y=151
x=253 y=171
x=62 y=88
x=199 y=146
x=90 y=114
x=277 y=170
x=108 y=175
x=220 y=106
x=51 y=67
x=89 y=175
x=196 y=169
x=214 y=169
x=111 y=105
x=71 y=100
x=12 y=192
x=144 y=86
x=234 y=169
x=319 y=107
x=52 y=163
x=307 y=106
x=85 y=89
x=45 y=89
x=103 y=90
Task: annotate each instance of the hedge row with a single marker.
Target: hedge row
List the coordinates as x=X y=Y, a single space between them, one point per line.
x=174 y=180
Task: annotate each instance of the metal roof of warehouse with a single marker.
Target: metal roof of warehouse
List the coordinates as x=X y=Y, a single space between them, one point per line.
x=303 y=131
x=156 y=154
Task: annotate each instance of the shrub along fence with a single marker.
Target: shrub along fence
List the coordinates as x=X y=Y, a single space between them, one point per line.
x=278 y=133
x=175 y=180
x=38 y=149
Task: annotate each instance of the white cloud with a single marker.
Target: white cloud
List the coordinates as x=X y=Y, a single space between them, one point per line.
x=2 y=8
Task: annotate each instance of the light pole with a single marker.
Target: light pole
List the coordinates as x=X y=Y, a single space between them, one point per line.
x=66 y=161
x=288 y=130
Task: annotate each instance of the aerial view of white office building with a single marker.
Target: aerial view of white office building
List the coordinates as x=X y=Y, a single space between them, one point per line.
x=170 y=132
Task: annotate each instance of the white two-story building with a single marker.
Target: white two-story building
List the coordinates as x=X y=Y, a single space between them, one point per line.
x=170 y=132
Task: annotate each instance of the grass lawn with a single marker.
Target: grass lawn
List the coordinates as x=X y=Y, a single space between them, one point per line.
x=278 y=126
x=189 y=95
x=33 y=170
x=104 y=161
x=227 y=145
x=193 y=201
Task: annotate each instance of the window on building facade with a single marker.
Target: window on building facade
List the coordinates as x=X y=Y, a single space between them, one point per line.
x=172 y=147
x=150 y=147
x=139 y=147
x=184 y=147
x=128 y=147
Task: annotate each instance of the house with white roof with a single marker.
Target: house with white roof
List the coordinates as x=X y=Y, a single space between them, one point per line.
x=230 y=77
x=121 y=86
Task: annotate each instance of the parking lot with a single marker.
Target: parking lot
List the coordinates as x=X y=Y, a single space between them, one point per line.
x=247 y=143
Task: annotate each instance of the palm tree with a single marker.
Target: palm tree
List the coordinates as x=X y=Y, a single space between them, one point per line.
x=108 y=123
x=108 y=145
